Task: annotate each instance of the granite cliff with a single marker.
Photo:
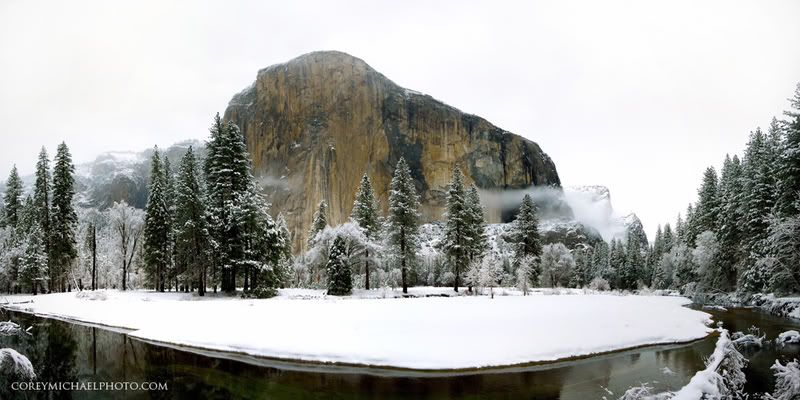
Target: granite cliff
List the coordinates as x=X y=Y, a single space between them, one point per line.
x=315 y=124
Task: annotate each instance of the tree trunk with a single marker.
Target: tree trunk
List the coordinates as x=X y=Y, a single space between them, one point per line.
x=403 y=258
x=94 y=257
x=455 y=284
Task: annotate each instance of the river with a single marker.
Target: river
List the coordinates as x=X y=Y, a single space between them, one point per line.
x=63 y=351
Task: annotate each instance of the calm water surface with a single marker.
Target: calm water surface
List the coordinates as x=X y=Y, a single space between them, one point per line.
x=62 y=351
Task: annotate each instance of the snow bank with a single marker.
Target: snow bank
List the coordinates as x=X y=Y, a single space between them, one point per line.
x=723 y=374
x=433 y=333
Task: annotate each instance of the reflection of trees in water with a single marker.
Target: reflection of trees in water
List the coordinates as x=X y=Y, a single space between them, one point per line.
x=55 y=355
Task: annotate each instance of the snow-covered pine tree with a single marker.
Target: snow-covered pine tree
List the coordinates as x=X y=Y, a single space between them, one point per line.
x=41 y=199
x=479 y=241
x=365 y=214
x=632 y=267
x=584 y=272
x=707 y=210
x=192 y=240
x=403 y=218
x=729 y=233
x=456 y=240
x=64 y=220
x=318 y=222
x=157 y=226
x=600 y=259
x=788 y=163
x=12 y=199
x=230 y=186
x=172 y=272
x=340 y=280
x=525 y=232
x=758 y=200
x=690 y=227
x=616 y=262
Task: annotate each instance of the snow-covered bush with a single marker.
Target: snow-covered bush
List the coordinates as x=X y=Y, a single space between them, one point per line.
x=8 y=328
x=485 y=273
x=100 y=295
x=14 y=364
x=787 y=381
x=599 y=284
x=753 y=337
x=788 y=337
x=525 y=273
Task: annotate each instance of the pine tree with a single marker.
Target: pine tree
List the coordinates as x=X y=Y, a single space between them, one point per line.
x=668 y=237
x=758 y=200
x=632 y=268
x=365 y=213
x=729 y=234
x=479 y=242
x=600 y=259
x=707 y=211
x=172 y=270
x=403 y=218
x=231 y=201
x=63 y=245
x=788 y=163
x=616 y=264
x=457 y=230
x=192 y=240
x=12 y=199
x=41 y=199
x=525 y=230
x=157 y=226
x=318 y=222
x=340 y=279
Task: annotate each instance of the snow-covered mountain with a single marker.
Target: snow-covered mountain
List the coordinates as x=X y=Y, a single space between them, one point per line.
x=592 y=206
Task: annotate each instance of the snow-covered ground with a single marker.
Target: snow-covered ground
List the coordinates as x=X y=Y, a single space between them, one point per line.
x=432 y=333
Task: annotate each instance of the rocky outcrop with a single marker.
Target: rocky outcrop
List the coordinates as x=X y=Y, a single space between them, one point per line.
x=315 y=124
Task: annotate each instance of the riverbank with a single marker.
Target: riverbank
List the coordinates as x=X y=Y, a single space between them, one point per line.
x=786 y=307
x=425 y=333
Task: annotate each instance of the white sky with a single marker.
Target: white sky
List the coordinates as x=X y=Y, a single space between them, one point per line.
x=639 y=96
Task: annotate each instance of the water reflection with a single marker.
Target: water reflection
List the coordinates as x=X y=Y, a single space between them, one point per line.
x=62 y=351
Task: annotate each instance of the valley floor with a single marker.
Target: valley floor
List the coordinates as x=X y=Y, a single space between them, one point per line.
x=426 y=332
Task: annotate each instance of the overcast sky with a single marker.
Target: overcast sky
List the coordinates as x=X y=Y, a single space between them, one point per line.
x=639 y=96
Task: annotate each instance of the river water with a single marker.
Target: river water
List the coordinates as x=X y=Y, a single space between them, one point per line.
x=62 y=351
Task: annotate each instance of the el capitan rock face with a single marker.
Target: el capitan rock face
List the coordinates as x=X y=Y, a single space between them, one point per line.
x=315 y=124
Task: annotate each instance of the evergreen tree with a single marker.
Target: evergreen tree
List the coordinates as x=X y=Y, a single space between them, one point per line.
x=63 y=245
x=479 y=242
x=340 y=279
x=729 y=234
x=707 y=211
x=758 y=200
x=157 y=225
x=231 y=201
x=193 y=242
x=365 y=213
x=668 y=238
x=12 y=199
x=403 y=218
x=600 y=259
x=631 y=269
x=172 y=271
x=457 y=230
x=41 y=199
x=525 y=231
x=788 y=163
x=616 y=264
x=319 y=222
x=32 y=261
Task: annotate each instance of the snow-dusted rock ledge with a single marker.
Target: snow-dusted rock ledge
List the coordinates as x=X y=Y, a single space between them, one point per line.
x=426 y=333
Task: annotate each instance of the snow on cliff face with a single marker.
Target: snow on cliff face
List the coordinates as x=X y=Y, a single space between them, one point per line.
x=592 y=207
